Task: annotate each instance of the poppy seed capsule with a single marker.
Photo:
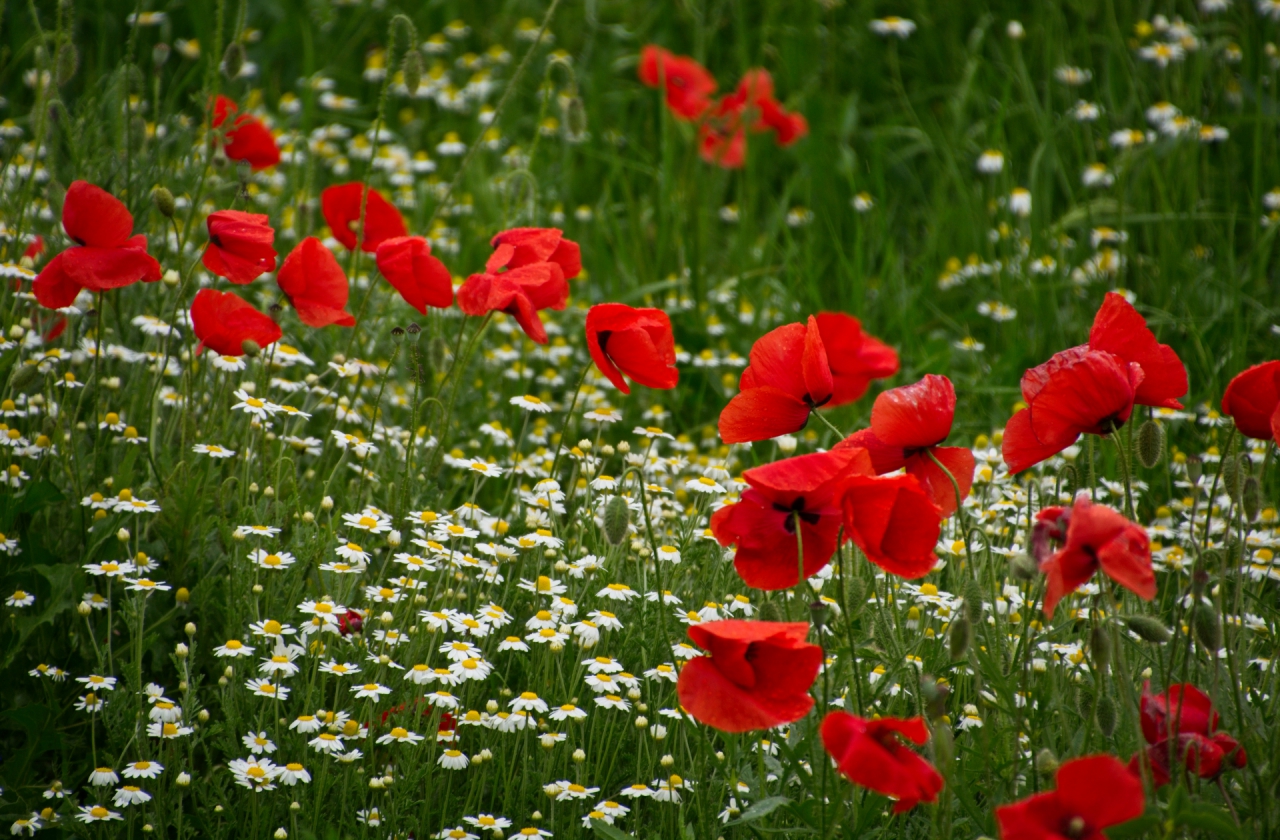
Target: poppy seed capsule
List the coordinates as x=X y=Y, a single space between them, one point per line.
x=1195 y=468
x=617 y=516
x=1149 y=446
x=819 y=612
x=1105 y=715
x=1147 y=628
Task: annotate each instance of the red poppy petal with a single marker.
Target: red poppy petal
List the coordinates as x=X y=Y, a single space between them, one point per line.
x=420 y=278
x=715 y=701
x=1022 y=449
x=1252 y=399
x=100 y=269
x=1118 y=328
x=856 y=358
x=635 y=353
x=958 y=461
x=315 y=285
x=817 y=372
x=1101 y=789
x=885 y=459
x=813 y=476
x=53 y=287
x=760 y=414
x=917 y=415
x=94 y=217
x=224 y=321
x=776 y=360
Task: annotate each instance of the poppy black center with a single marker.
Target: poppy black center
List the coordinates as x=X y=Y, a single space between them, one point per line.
x=602 y=338
x=812 y=405
x=796 y=507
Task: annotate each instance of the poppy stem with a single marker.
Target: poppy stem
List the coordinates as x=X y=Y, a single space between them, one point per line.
x=795 y=519
x=568 y=418
x=961 y=516
x=828 y=424
x=1123 y=458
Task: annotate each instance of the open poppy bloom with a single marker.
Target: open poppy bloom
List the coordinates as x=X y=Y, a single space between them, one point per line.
x=688 y=84
x=1093 y=793
x=1184 y=716
x=870 y=753
x=908 y=424
x=519 y=247
x=105 y=255
x=224 y=322
x=520 y=293
x=421 y=279
x=1252 y=400
x=1078 y=391
x=248 y=139
x=315 y=285
x=1095 y=537
x=341 y=206
x=637 y=342
x=722 y=135
x=806 y=491
x=240 y=246
x=1118 y=329
x=756 y=674
x=856 y=357
x=894 y=521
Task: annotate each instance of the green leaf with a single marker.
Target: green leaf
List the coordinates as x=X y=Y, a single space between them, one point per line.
x=1133 y=828
x=761 y=809
x=607 y=832
x=1209 y=818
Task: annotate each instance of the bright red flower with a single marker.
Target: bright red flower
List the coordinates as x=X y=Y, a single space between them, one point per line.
x=870 y=754
x=350 y=622
x=519 y=247
x=723 y=146
x=787 y=378
x=1093 y=793
x=1184 y=715
x=35 y=248
x=1183 y=708
x=519 y=292
x=894 y=521
x=1252 y=400
x=763 y=524
x=315 y=285
x=856 y=357
x=688 y=84
x=722 y=138
x=756 y=674
x=239 y=246
x=908 y=424
x=224 y=322
x=105 y=255
x=1078 y=391
x=421 y=279
x=637 y=342
x=248 y=139
x=1119 y=329
x=341 y=206
x=1096 y=537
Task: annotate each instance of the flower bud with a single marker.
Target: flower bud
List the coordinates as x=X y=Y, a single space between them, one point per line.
x=160 y=54
x=1022 y=567
x=1195 y=467
x=66 y=62
x=183 y=596
x=84 y=609
x=180 y=650
x=1100 y=649
x=233 y=60
x=281 y=834
x=770 y=611
x=973 y=601
x=123 y=535
x=959 y=636
x=1147 y=628
x=326 y=504
x=1046 y=762
x=667 y=760
x=1207 y=626
x=203 y=715
x=1084 y=702
x=1105 y=715
x=1232 y=477
x=617 y=516
x=579 y=756
x=163 y=200
x=411 y=69
x=1251 y=498
x=1149 y=447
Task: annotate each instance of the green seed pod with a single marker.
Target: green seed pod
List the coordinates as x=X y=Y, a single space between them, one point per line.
x=944 y=745
x=1251 y=498
x=959 y=636
x=397 y=334
x=233 y=60
x=1084 y=703
x=1195 y=468
x=819 y=612
x=1046 y=762
x=66 y=62
x=1148 y=628
x=770 y=611
x=1232 y=479
x=617 y=516
x=857 y=596
x=1105 y=715
x=163 y=200
x=1149 y=446
x=1100 y=649
x=412 y=70
x=1022 y=567
x=574 y=114
x=24 y=376
x=250 y=348
x=1207 y=626
x=973 y=601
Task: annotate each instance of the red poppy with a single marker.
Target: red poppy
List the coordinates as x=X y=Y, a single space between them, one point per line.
x=341 y=206
x=856 y=357
x=688 y=84
x=519 y=292
x=104 y=257
x=1093 y=793
x=350 y=622
x=224 y=322
x=1184 y=715
x=248 y=139
x=637 y=342
x=1183 y=708
x=1078 y=391
x=1119 y=329
x=519 y=247
x=724 y=147
x=1095 y=537
x=35 y=248
x=908 y=424
x=1252 y=400
x=787 y=378
x=315 y=285
x=722 y=136
x=756 y=674
x=763 y=524
x=239 y=246
x=421 y=279
x=870 y=753
x=894 y=521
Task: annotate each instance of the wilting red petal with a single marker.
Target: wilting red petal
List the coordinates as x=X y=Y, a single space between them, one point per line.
x=1120 y=330
x=915 y=416
x=341 y=206
x=894 y=522
x=856 y=358
x=94 y=217
x=1099 y=537
x=53 y=287
x=637 y=342
x=421 y=279
x=224 y=322
x=519 y=292
x=315 y=285
x=1252 y=400
x=958 y=461
x=762 y=413
x=240 y=246
x=869 y=754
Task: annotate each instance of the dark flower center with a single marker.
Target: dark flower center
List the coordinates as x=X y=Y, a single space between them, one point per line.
x=796 y=508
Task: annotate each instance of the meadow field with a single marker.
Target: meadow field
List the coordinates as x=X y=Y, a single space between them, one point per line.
x=593 y=419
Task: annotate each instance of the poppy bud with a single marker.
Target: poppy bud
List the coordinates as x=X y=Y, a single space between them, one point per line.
x=1046 y=762
x=1150 y=443
x=66 y=62
x=233 y=60
x=1199 y=578
x=250 y=347
x=160 y=54
x=23 y=377
x=884 y=633
x=1148 y=628
x=857 y=596
x=1232 y=478
x=959 y=635
x=1022 y=567
x=617 y=516
x=944 y=745
x=1251 y=498
x=1067 y=480
x=1207 y=626
x=1195 y=467
x=1084 y=703
x=163 y=200
x=973 y=601
x=1105 y=715
x=1100 y=649
x=404 y=34
x=935 y=697
x=770 y=611
x=412 y=70
x=575 y=119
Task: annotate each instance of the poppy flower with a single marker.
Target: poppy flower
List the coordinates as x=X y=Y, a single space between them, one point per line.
x=341 y=206
x=519 y=292
x=870 y=753
x=248 y=139
x=756 y=674
x=1183 y=708
x=421 y=279
x=856 y=357
x=315 y=285
x=722 y=135
x=350 y=622
x=1119 y=329
x=807 y=489
x=34 y=249
x=519 y=247
x=1252 y=400
x=1184 y=715
x=908 y=424
x=688 y=84
x=1093 y=793
x=1078 y=391
x=894 y=521
x=637 y=342
x=1096 y=537
x=224 y=322
x=788 y=377
x=239 y=246
x=724 y=148
x=105 y=255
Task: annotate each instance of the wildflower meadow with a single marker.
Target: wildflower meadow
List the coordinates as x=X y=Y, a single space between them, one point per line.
x=673 y=420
